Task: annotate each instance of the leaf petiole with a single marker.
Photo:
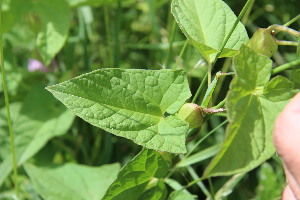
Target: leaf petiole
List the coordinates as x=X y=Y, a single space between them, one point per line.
x=286 y=66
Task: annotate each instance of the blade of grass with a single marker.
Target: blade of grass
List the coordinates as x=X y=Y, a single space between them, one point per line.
x=211 y=187
x=227 y=188
x=199 y=183
x=180 y=55
x=199 y=156
x=173 y=34
x=108 y=36
x=84 y=39
x=11 y=134
x=116 y=49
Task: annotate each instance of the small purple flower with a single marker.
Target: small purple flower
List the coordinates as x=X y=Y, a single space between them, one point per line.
x=35 y=65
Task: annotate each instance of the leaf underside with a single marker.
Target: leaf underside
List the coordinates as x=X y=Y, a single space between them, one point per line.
x=253 y=103
x=206 y=24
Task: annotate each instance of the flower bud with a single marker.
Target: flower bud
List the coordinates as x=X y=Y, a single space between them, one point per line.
x=192 y=114
x=264 y=42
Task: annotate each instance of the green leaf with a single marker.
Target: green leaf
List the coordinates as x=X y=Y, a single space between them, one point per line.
x=270 y=183
x=137 y=174
x=55 y=17
x=253 y=104
x=37 y=120
x=206 y=24
x=295 y=78
x=158 y=192
x=72 y=181
x=181 y=195
x=49 y=22
x=131 y=104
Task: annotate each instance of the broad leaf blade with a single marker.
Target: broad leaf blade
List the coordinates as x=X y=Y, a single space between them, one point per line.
x=131 y=104
x=35 y=123
x=55 y=17
x=137 y=174
x=157 y=192
x=72 y=181
x=46 y=20
x=181 y=195
x=253 y=104
x=206 y=24
x=295 y=78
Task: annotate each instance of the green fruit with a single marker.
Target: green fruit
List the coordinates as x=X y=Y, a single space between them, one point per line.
x=264 y=42
x=192 y=114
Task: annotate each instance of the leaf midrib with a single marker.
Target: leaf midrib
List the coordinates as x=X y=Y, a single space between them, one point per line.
x=119 y=108
x=200 y=25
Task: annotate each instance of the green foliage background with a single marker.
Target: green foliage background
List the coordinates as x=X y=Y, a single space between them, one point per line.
x=77 y=36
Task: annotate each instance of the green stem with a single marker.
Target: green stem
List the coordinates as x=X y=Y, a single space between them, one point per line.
x=219 y=86
x=284 y=29
x=292 y=20
x=242 y=13
x=200 y=88
x=11 y=134
x=298 y=48
x=116 y=52
x=287 y=43
x=96 y=148
x=180 y=55
x=285 y=66
x=211 y=187
x=203 y=138
x=84 y=39
x=220 y=105
x=245 y=18
x=192 y=183
x=173 y=34
x=108 y=36
x=209 y=69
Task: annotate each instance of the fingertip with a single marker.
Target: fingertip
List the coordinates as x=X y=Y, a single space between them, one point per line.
x=287 y=194
x=287 y=126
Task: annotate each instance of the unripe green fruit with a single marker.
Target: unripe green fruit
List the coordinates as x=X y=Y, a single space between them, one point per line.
x=263 y=42
x=192 y=114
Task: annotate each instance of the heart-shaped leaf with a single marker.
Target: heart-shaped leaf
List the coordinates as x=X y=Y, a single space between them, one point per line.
x=131 y=104
x=253 y=104
x=206 y=24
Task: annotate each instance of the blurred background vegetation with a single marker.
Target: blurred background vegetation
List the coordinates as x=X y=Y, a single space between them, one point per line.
x=46 y=42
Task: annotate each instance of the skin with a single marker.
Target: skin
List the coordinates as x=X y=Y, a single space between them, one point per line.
x=286 y=136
